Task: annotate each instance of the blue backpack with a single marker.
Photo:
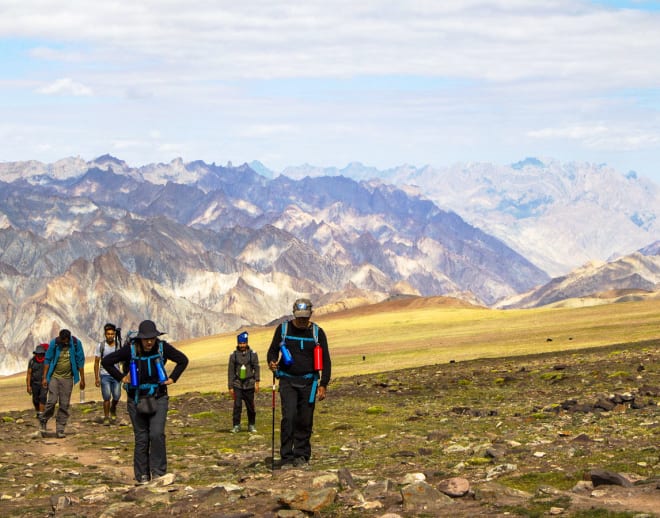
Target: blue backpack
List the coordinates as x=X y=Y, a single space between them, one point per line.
x=150 y=364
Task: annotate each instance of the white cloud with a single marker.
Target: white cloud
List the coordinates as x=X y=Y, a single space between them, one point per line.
x=496 y=41
x=66 y=86
x=329 y=82
x=267 y=130
x=601 y=137
x=50 y=54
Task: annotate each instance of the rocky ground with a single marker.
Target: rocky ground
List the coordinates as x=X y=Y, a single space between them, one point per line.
x=568 y=434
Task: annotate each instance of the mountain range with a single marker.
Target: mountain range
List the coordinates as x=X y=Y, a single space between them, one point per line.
x=558 y=215
x=203 y=249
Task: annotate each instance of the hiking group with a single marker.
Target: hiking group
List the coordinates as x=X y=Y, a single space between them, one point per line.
x=298 y=356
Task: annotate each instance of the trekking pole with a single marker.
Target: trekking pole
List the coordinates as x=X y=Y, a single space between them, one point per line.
x=272 y=442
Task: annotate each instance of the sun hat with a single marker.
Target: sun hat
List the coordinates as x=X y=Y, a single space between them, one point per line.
x=147 y=329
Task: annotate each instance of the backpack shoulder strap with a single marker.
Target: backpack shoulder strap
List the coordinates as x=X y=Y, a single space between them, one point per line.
x=102 y=348
x=315 y=333
x=285 y=326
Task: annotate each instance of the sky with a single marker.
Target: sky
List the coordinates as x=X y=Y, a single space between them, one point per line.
x=382 y=82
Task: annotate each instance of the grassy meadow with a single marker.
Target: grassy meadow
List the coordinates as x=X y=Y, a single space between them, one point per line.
x=408 y=333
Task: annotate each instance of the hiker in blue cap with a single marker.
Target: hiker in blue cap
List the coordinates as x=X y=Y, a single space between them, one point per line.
x=243 y=375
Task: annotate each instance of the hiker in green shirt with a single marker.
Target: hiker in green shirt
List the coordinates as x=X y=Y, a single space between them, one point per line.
x=64 y=366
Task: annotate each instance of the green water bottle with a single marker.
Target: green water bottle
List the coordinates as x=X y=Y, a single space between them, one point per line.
x=242 y=374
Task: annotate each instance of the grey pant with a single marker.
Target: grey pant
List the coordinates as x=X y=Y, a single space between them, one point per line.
x=59 y=391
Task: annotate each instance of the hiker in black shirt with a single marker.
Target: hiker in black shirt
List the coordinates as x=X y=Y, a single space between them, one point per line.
x=147 y=399
x=34 y=378
x=302 y=383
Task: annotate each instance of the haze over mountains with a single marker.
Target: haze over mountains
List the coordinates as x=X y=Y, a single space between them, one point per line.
x=558 y=215
x=203 y=249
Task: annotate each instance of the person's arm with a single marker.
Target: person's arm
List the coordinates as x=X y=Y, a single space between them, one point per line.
x=273 y=354
x=176 y=356
x=97 y=370
x=48 y=359
x=327 y=362
x=230 y=373
x=44 y=380
x=28 y=378
x=257 y=371
x=80 y=362
x=109 y=362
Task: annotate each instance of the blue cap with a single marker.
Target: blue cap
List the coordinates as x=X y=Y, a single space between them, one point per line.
x=242 y=338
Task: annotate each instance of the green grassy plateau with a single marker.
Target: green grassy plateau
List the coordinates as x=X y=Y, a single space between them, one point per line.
x=409 y=333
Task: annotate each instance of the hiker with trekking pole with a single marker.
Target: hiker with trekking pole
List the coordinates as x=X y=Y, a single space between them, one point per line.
x=299 y=358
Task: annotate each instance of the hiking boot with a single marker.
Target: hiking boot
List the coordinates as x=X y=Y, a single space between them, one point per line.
x=252 y=428
x=283 y=464
x=106 y=421
x=60 y=434
x=300 y=462
x=236 y=429
x=142 y=480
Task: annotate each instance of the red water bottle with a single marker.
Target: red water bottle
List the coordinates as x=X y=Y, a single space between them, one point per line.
x=318 y=358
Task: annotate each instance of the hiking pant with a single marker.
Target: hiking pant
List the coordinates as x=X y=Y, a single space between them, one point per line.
x=39 y=394
x=150 y=454
x=59 y=392
x=244 y=395
x=110 y=388
x=297 y=419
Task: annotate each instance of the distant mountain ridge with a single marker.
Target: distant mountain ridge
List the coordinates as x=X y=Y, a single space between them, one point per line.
x=203 y=249
x=558 y=215
x=633 y=277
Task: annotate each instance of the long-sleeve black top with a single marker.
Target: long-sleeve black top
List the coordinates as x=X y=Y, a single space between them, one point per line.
x=302 y=351
x=147 y=372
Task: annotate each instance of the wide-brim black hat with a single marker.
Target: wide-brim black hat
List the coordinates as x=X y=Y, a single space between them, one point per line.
x=147 y=329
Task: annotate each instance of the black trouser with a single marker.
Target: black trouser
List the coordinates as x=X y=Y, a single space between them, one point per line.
x=39 y=394
x=241 y=395
x=150 y=453
x=297 y=418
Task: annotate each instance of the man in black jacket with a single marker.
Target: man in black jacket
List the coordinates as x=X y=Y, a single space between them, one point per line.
x=303 y=380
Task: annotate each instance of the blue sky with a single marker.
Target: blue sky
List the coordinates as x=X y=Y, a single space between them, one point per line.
x=381 y=82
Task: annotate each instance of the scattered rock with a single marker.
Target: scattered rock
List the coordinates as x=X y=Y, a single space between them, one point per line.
x=310 y=501
x=454 y=487
x=420 y=497
x=600 y=477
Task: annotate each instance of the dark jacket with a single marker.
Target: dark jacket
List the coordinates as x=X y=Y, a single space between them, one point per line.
x=302 y=351
x=250 y=359
x=147 y=373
